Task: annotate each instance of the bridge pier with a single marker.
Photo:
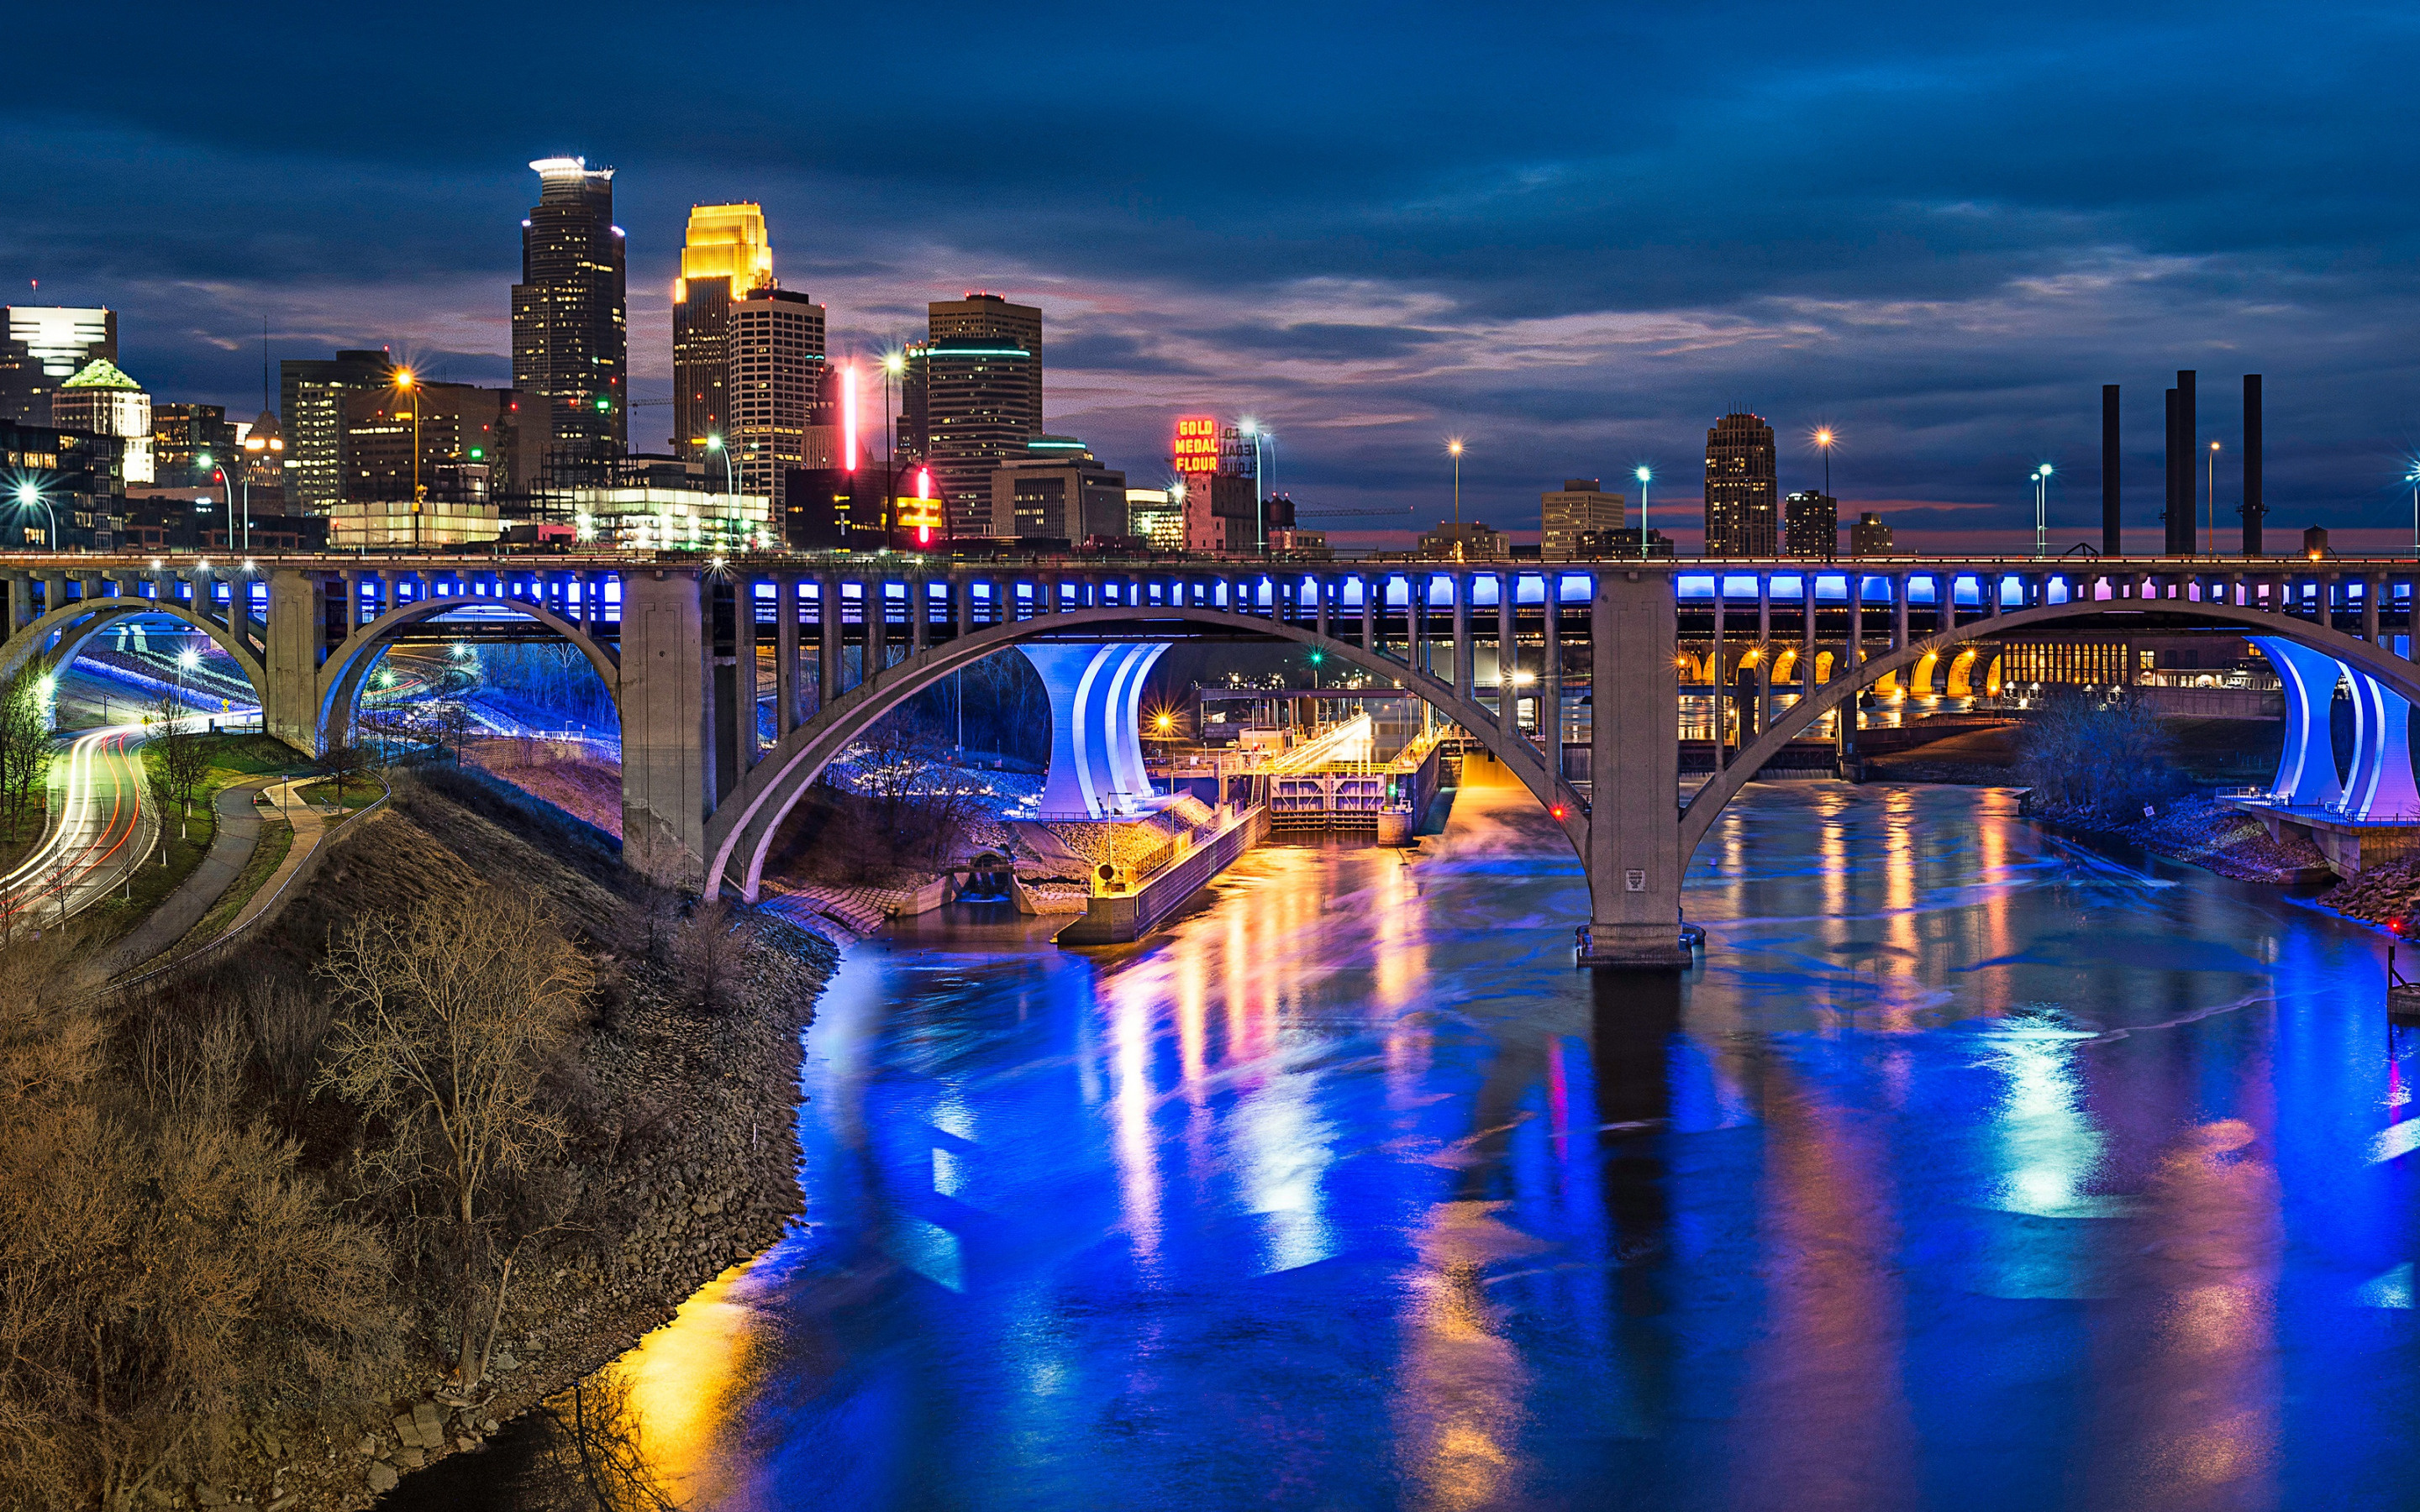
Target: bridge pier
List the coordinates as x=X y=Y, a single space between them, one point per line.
x=1633 y=852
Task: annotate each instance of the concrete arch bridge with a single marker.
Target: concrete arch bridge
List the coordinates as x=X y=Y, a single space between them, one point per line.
x=683 y=643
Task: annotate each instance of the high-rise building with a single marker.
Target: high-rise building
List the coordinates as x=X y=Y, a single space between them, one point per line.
x=725 y=258
x=264 y=464
x=1743 y=500
x=42 y=346
x=311 y=393
x=1580 y=507
x=102 y=401
x=570 y=342
x=1058 y=490
x=971 y=400
x=1813 y=525
x=1156 y=517
x=1869 y=536
x=182 y=435
x=71 y=473
x=775 y=385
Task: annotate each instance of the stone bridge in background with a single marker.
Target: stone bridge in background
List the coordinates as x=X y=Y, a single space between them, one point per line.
x=680 y=642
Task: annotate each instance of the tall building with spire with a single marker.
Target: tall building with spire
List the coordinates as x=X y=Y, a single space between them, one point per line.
x=570 y=319
x=727 y=258
x=1743 y=496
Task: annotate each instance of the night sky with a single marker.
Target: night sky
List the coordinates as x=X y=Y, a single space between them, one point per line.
x=1573 y=235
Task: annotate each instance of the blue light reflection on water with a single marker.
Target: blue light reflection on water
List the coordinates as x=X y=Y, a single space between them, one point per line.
x=1973 y=1169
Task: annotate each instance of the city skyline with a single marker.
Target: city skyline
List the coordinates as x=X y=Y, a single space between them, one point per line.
x=1551 y=287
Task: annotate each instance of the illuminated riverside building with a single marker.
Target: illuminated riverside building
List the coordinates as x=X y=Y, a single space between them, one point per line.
x=1742 y=499
x=667 y=520
x=776 y=387
x=1813 y=525
x=102 y=401
x=1578 y=507
x=42 y=347
x=469 y=439
x=1869 y=536
x=1058 y=490
x=182 y=435
x=972 y=399
x=726 y=258
x=571 y=347
x=1156 y=517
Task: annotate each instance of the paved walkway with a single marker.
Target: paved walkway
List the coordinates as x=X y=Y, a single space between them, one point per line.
x=310 y=827
x=238 y=831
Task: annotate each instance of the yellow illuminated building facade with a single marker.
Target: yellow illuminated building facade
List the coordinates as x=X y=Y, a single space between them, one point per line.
x=727 y=258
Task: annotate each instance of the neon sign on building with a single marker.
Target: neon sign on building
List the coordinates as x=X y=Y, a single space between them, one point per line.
x=1197 y=443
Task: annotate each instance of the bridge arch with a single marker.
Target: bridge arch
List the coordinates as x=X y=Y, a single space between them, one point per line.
x=742 y=826
x=2400 y=676
x=339 y=685
x=75 y=623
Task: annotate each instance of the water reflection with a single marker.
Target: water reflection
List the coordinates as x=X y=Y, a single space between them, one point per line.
x=1973 y=1169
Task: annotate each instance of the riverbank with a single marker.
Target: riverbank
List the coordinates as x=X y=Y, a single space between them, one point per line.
x=2207 y=833
x=685 y=1162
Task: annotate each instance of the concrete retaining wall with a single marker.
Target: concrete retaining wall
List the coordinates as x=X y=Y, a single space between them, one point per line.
x=1131 y=916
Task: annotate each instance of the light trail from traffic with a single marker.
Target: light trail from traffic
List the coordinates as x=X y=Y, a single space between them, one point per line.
x=104 y=830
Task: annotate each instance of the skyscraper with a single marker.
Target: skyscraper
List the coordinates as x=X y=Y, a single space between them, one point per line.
x=1741 y=497
x=1581 y=505
x=102 y=401
x=726 y=258
x=973 y=399
x=181 y=434
x=311 y=393
x=571 y=346
x=42 y=346
x=1813 y=528
x=776 y=379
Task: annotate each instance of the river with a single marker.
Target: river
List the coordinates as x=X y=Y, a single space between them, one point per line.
x=1974 y=1169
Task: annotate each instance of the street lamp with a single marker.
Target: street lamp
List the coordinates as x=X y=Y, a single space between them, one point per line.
x=2210 y=496
x=2042 y=510
x=29 y=495
x=2413 y=477
x=1453 y=449
x=731 y=479
x=894 y=369
x=407 y=382
x=1261 y=437
x=1645 y=476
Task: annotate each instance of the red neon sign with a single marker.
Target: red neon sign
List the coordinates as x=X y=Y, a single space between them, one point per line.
x=848 y=416
x=1197 y=443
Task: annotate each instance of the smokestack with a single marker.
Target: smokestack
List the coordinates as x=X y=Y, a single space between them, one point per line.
x=2252 y=509
x=2188 y=466
x=2111 y=544
x=2171 y=511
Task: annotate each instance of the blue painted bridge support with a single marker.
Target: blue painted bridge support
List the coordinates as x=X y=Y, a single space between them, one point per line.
x=2379 y=789
x=1096 y=763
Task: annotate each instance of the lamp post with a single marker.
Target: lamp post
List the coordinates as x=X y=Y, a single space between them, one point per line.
x=2210 y=497
x=1262 y=437
x=894 y=366
x=407 y=382
x=1645 y=476
x=2042 y=510
x=2413 y=477
x=1453 y=449
x=731 y=479
x=29 y=495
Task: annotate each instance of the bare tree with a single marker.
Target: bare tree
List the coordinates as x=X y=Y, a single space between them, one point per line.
x=341 y=760
x=26 y=743
x=450 y=1016
x=714 y=955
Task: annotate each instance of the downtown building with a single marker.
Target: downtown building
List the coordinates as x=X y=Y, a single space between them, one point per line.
x=726 y=258
x=42 y=347
x=781 y=393
x=1059 y=491
x=102 y=401
x=189 y=442
x=311 y=416
x=1869 y=536
x=570 y=318
x=1580 y=507
x=1742 y=497
x=971 y=400
x=1812 y=528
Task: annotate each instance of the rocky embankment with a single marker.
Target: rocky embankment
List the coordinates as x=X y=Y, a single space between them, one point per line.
x=2388 y=896
x=699 y=1171
x=2209 y=834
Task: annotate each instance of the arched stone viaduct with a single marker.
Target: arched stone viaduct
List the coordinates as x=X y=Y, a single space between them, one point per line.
x=678 y=643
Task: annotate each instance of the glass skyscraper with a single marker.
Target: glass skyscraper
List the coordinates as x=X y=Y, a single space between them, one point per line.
x=570 y=318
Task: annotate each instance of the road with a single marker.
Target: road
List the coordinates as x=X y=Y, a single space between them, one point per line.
x=100 y=829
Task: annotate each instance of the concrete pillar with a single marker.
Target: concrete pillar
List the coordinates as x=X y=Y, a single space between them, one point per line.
x=1855 y=656
x=1370 y=594
x=1634 y=831
x=962 y=592
x=1550 y=676
x=785 y=654
x=291 y=709
x=667 y=735
x=1319 y=586
x=1806 y=634
x=20 y=601
x=1463 y=682
x=878 y=625
x=1508 y=655
x=827 y=634
x=1721 y=681
x=919 y=613
x=2369 y=608
x=743 y=671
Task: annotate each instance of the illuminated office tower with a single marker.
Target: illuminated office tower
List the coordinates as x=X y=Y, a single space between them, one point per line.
x=42 y=347
x=973 y=399
x=1576 y=509
x=102 y=401
x=569 y=317
x=725 y=258
x=776 y=385
x=182 y=435
x=311 y=392
x=1743 y=500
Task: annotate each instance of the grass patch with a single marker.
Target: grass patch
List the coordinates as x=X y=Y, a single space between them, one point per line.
x=270 y=852
x=359 y=794
x=186 y=838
